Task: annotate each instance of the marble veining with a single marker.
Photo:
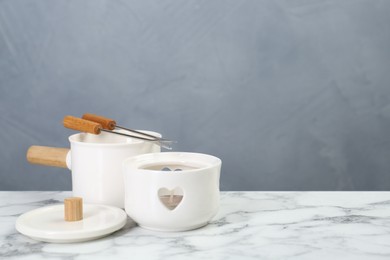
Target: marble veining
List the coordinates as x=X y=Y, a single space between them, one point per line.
x=249 y=225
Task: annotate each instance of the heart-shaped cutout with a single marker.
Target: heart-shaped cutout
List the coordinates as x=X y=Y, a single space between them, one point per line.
x=170 y=198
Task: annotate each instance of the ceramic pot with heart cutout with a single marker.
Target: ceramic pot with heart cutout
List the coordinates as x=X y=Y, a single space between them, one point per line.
x=172 y=191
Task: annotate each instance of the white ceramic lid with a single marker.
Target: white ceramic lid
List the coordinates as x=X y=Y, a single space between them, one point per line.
x=47 y=224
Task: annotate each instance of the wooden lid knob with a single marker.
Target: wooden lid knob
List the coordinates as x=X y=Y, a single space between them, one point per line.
x=73 y=209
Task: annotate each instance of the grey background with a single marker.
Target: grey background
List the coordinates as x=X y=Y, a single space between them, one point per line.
x=291 y=95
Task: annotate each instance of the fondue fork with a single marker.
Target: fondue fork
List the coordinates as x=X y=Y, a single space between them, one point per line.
x=110 y=124
x=96 y=128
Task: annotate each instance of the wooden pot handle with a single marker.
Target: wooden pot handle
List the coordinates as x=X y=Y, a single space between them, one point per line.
x=49 y=156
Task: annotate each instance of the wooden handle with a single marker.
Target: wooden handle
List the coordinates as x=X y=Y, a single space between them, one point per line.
x=106 y=123
x=49 y=156
x=82 y=125
x=73 y=209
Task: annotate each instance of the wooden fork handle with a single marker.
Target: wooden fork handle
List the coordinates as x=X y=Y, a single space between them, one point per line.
x=82 y=125
x=107 y=123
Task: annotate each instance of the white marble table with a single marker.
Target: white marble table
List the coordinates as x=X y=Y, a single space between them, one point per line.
x=249 y=225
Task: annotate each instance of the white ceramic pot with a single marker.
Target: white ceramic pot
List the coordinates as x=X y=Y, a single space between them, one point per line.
x=172 y=191
x=95 y=162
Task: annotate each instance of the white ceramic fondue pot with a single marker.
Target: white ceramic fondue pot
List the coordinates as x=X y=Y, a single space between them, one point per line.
x=95 y=162
x=172 y=191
